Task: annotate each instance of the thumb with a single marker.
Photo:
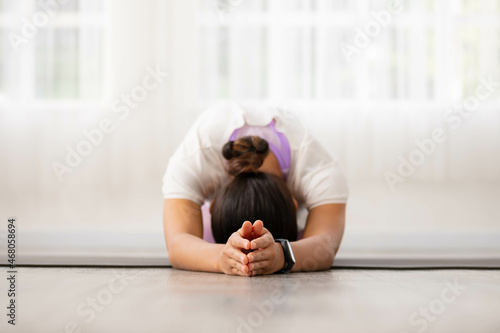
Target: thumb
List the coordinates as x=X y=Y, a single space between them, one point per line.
x=258 y=228
x=246 y=230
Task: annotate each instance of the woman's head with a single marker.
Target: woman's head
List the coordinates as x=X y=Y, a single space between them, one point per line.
x=252 y=194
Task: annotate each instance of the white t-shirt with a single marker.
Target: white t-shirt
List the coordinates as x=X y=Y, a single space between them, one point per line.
x=196 y=170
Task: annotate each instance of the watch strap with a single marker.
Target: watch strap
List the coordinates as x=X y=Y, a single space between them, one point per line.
x=289 y=258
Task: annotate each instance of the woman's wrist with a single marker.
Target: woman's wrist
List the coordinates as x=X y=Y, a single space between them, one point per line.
x=218 y=262
x=280 y=257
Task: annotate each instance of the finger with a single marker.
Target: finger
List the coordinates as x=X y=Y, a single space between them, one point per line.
x=239 y=266
x=257 y=272
x=237 y=255
x=258 y=255
x=258 y=265
x=239 y=242
x=263 y=241
x=246 y=230
x=257 y=228
x=235 y=271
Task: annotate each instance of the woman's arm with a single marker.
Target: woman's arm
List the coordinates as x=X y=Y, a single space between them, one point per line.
x=183 y=228
x=322 y=237
x=315 y=251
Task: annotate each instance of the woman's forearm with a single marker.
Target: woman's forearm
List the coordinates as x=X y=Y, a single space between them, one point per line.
x=314 y=253
x=322 y=237
x=190 y=252
x=183 y=227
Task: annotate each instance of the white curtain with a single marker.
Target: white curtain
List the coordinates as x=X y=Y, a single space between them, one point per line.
x=116 y=189
x=371 y=111
x=113 y=200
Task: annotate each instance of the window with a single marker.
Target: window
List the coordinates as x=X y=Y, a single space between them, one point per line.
x=292 y=49
x=51 y=51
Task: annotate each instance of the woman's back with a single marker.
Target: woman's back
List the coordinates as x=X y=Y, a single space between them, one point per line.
x=196 y=171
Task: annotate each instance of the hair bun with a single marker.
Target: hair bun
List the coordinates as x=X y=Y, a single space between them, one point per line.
x=227 y=150
x=246 y=154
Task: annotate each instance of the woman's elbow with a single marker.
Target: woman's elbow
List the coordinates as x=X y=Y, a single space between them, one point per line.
x=172 y=253
x=329 y=252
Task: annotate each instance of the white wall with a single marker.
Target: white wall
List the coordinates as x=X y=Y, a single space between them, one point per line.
x=111 y=202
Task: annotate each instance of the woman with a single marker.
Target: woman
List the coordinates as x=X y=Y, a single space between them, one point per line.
x=234 y=190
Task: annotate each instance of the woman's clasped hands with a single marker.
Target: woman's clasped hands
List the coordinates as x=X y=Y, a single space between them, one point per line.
x=250 y=251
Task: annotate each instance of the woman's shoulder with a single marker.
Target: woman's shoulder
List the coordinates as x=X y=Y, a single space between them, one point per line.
x=289 y=123
x=214 y=125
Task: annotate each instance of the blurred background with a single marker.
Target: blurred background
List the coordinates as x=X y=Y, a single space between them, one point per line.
x=370 y=78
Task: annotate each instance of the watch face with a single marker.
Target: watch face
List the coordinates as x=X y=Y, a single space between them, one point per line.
x=289 y=247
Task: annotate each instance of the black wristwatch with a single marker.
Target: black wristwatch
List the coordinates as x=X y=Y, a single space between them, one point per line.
x=287 y=251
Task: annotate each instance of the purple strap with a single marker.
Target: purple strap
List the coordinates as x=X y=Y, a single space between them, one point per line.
x=283 y=155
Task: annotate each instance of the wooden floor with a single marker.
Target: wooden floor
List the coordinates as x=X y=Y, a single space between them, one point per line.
x=170 y=300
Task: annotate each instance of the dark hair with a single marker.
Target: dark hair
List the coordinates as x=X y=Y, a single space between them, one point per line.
x=252 y=195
